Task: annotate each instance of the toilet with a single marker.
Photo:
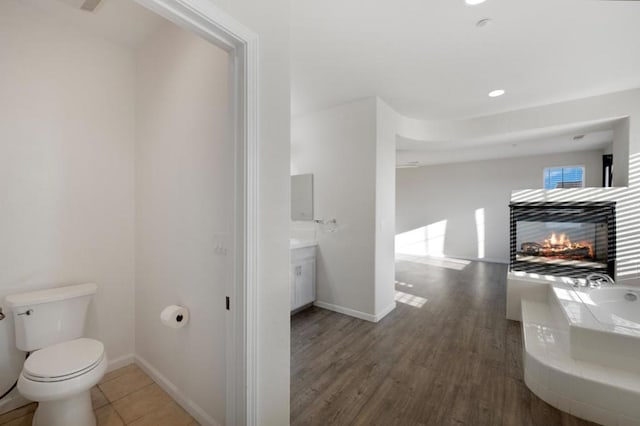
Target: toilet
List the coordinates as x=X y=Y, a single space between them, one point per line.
x=62 y=366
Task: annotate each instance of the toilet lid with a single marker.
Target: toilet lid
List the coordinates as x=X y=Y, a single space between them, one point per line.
x=63 y=360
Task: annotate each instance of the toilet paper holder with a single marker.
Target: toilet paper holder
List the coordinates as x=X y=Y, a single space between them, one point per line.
x=175 y=316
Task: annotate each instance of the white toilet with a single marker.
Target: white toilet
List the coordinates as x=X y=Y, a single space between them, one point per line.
x=63 y=366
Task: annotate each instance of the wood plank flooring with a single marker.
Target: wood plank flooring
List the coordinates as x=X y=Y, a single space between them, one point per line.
x=452 y=359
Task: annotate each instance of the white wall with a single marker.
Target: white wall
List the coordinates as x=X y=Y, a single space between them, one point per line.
x=184 y=175
x=386 y=124
x=66 y=171
x=454 y=192
x=338 y=146
x=270 y=21
x=350 y=150
x=620 y=151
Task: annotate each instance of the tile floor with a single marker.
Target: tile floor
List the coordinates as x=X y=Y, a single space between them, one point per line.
x=124 y=397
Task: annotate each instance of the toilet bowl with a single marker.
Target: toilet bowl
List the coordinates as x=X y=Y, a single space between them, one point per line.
x=62 y=366
x=60 y=378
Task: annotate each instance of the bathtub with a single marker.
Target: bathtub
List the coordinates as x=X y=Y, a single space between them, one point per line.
x=582 y=349
x=603 y=323
x=613 y=306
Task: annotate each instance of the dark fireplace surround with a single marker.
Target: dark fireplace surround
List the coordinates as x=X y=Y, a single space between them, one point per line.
x=569 y=239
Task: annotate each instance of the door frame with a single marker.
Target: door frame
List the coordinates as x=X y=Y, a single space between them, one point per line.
x=214 y=25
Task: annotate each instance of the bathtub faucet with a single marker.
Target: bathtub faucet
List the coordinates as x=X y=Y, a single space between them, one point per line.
x=596 y=279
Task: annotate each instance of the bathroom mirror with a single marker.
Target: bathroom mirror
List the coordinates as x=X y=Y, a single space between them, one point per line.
x=302 y=197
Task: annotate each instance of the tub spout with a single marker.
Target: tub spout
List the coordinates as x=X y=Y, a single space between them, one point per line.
x=596 y=279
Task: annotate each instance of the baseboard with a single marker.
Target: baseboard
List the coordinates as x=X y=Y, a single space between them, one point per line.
x=485 y=259
x=191 y=407
x=479 y=259
x=120 y=362
x=386 y=311
x=470 y=259
x=346 y=311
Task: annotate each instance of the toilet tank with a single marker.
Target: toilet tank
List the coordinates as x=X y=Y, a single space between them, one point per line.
x=46 y=317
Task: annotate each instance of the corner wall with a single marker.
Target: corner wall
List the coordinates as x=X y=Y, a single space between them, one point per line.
x=350 y=149
x=620 y=145
x=184 y=171
x=338 y=145
x=386 y=125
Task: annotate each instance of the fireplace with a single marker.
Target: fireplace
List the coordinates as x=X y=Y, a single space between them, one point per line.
x=563 y=238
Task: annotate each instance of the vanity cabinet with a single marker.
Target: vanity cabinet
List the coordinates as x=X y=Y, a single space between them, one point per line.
x=303 y=277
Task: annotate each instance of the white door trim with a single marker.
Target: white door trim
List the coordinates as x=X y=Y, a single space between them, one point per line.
x=211 y=23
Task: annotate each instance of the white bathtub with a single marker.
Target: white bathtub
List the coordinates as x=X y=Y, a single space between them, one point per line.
x=613 y=306
x=604 y=327
x=582 y=350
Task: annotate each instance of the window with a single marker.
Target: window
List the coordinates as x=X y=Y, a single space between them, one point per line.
x=563 y=177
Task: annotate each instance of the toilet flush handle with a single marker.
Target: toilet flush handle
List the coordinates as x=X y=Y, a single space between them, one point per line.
x=2 y=315
x=27 y=312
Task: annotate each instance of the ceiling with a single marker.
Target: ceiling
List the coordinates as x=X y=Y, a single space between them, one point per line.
x=429 y=60
x=121 y=21
x=570 y=138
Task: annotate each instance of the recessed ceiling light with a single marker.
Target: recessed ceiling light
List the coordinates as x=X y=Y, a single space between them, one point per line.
x=474 y=2
x=496 y=93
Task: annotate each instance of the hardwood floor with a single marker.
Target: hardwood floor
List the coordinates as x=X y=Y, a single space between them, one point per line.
x=450 y=359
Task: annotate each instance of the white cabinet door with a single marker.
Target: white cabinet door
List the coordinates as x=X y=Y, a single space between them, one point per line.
x=303 y=277
x=292 y=285
x=305 y=287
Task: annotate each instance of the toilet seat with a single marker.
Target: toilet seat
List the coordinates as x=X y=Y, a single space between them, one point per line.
x=63 y=387
x=64 y=361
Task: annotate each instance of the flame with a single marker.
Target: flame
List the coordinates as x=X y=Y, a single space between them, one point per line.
x=562 y=240
x=558 y=243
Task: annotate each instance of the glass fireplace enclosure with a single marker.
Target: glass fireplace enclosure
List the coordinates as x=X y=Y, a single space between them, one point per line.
x=563 y=238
